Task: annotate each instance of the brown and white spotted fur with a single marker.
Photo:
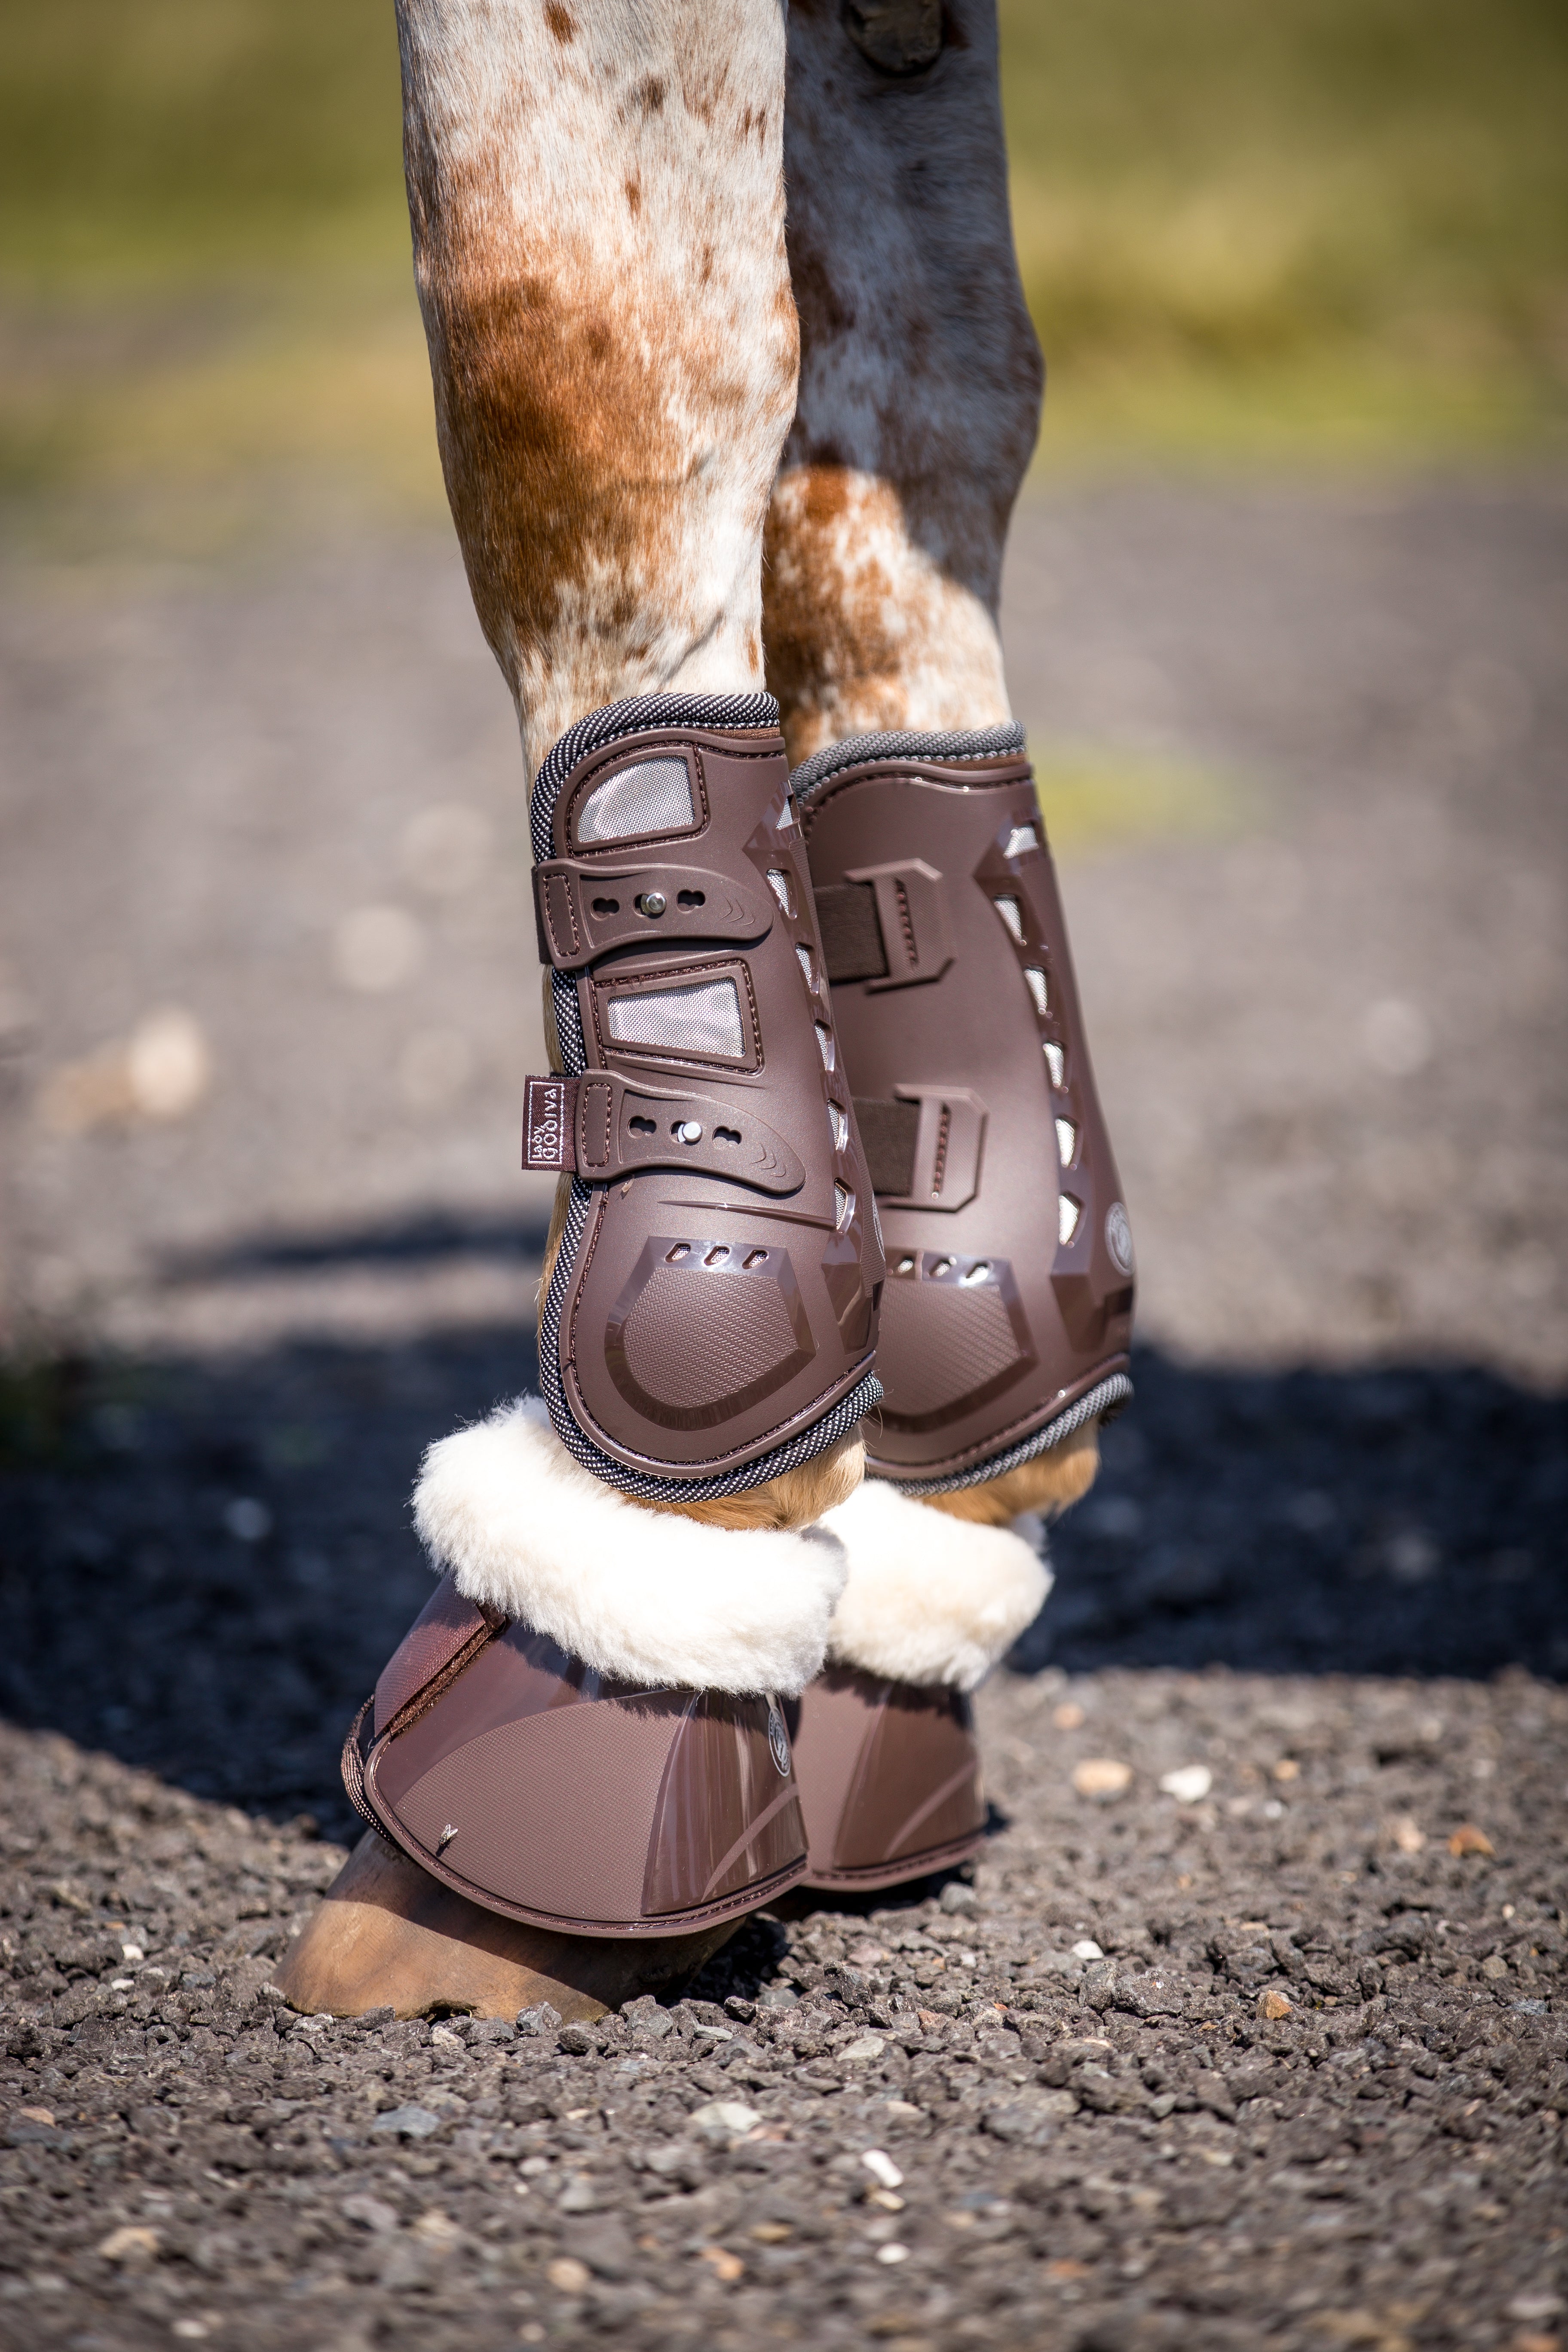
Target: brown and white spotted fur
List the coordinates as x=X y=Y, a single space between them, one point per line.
x=678 y=427
x=919 y=387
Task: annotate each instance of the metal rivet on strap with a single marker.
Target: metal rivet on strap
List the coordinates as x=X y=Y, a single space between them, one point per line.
x=652 y=903
x=688 y=1131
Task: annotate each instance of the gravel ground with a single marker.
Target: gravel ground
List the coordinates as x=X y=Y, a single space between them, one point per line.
x=1327 y=981
x=1312 y=2092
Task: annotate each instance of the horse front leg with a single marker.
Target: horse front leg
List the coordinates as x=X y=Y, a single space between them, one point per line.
x=580 y=1753
x=1006 y=1315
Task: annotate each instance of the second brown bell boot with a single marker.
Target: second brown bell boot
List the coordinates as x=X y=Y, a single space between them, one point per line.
x=886 y=1758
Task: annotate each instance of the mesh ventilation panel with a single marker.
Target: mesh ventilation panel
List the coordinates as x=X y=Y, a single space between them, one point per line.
x=1020 y=841
x=705 y=1019
x=653 y=797
x=1056 y=1061
x=1012 y=915
x=1037 y=981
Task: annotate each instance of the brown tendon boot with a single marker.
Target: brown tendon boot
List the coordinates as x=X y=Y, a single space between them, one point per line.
x=584 y=1734
x=1008 y=1312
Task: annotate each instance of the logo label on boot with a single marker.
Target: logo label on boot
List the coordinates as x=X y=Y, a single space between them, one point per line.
x=547 y=1125
x=778 y=1737
x=1119 y=1237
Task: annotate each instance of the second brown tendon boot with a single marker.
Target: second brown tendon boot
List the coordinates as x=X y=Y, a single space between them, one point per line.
x=1008 y=1312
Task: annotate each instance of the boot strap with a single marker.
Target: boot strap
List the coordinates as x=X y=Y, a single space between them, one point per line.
x=600 y=1127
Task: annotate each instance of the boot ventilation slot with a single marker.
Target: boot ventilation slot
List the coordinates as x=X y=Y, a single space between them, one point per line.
x=1069 y=1212
x=653 y=797
x=1037 y=981
x=705 y=1019
x=1020 y=841
x=844 y=1199
x=1012 y=914
x=1056 y=1061
x=825 y=1042
x=803 y=955
x=840 y=1126
x=1067 y=1140
x=778 y=883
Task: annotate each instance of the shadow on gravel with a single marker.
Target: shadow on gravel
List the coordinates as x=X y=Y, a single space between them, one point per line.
x=1404 y=1521
x=203 y=1567
x=403 y=1240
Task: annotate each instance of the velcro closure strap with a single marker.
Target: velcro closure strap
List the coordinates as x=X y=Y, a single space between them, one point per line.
x=886 y=924
x=599 y=1128
x=887 y=1134
x=851 y=935
x=586 y=907
x=923 y=1148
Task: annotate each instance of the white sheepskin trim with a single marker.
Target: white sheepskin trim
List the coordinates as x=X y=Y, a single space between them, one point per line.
x=931 y=1599
x=641 y=1595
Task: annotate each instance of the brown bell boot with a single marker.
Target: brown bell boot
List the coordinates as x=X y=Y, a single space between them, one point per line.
x=532 y=1785
x=1006 y=1315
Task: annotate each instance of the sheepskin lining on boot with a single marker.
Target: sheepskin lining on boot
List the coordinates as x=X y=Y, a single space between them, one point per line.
x=640 y=1595
x=931 y=1599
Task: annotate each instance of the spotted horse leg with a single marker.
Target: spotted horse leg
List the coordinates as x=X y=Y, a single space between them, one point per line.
x=1006 y=1311
x=575 y=1770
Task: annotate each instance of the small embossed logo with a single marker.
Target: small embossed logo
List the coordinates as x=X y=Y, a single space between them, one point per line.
x=1118 y=1236
x=778 y=1737
x=544 y=1124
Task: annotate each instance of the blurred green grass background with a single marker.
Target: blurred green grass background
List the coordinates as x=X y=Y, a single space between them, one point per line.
x=1324 y=231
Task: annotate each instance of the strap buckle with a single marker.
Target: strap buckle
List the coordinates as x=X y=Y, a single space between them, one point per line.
x=599 y=1128
x=887 y=925
x=923 y=1148
x=584 y=908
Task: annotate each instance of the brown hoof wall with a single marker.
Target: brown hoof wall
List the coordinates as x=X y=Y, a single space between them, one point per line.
x=889 y=1780
x=390 y=1935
